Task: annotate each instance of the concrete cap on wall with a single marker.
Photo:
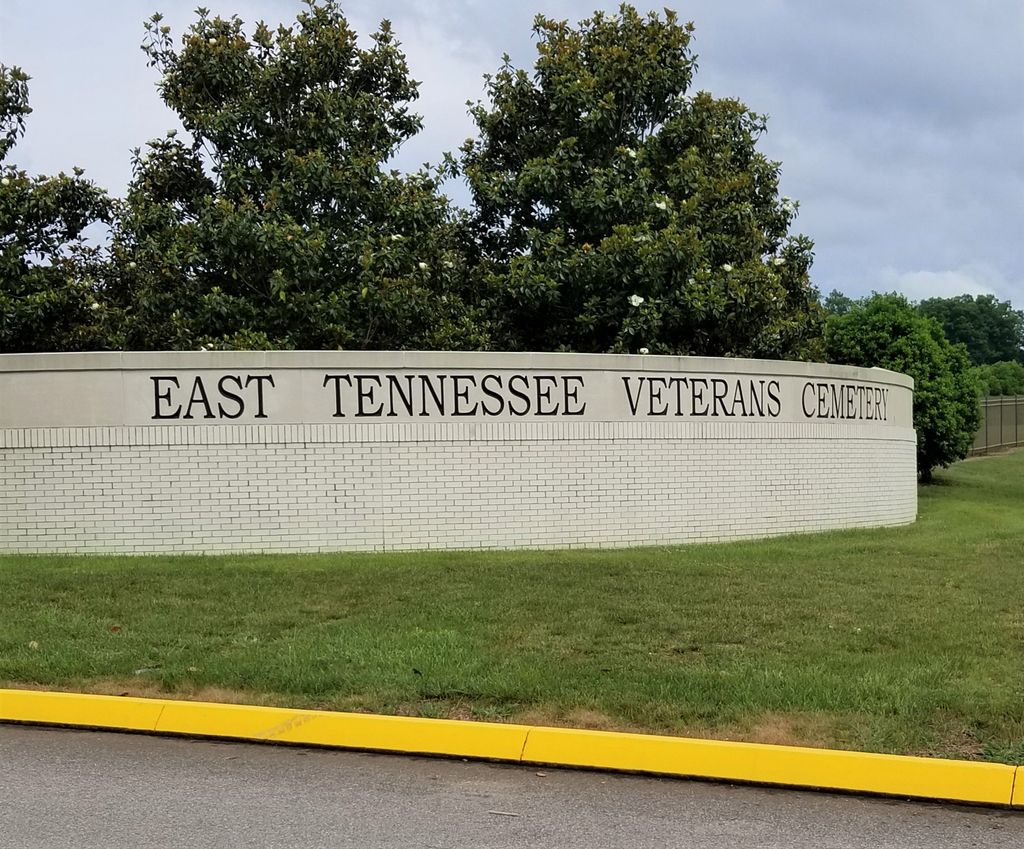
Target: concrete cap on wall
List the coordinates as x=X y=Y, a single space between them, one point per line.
x=145 y=360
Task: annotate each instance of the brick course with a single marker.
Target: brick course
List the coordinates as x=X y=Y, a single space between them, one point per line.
x=450 y=485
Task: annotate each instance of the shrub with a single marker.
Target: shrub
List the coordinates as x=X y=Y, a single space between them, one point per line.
x=887 y=331
x=1006 y=378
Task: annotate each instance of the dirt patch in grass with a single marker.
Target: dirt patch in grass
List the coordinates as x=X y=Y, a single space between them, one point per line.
x=585 y=718
x=151 y=690
x=781 y=729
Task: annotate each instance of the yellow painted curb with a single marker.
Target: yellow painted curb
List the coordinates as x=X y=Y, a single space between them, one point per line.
x=346 y=730
x=861 y=772
x=268 y=724
x=75 y=709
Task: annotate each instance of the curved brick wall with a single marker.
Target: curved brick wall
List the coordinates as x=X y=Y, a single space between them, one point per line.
x=296 y=451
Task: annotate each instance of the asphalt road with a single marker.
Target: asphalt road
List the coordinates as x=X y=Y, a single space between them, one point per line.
x=61 y=788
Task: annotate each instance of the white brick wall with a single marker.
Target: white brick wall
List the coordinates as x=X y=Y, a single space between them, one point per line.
x=444 y=485
x=89 y=461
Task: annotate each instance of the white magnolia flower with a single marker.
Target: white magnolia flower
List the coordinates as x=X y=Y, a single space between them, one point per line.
x=778 y=261
x=5 y=182
x=133 y=265
x=213 y=41
x=449 y=264
x=661 y=205
x=635 y=300
x=643 y=237
x=94 y=305
x=423 y=266
x=630 y=153
x=726 y=267
x=396 y=237
x=691 y=280
x=645 y=350
x=202 y=347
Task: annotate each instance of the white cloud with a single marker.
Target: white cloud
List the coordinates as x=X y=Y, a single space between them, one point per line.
x=450 y=72
x=977 y=279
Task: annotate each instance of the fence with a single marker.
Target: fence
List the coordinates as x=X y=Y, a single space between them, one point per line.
x=1002 y=424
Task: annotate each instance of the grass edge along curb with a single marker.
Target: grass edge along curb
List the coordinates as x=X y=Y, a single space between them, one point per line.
x=755 y=763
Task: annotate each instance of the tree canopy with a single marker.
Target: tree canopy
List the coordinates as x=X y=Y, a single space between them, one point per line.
x=275 y=224
x=48 y=287
x=837 y=303
x=616 y=212
x=992 y=330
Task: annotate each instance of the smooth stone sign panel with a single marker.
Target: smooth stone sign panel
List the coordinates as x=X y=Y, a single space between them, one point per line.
x=296 y=451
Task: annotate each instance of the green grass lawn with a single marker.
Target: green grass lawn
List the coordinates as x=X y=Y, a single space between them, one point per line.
x=903 y=640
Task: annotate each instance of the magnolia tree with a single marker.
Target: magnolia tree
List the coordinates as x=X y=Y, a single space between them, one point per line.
x=612 y=211
x=48 y=293
x=273 y=222
x=616 y=212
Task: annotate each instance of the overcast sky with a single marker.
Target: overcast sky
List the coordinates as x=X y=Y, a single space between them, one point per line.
x=899 y=125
